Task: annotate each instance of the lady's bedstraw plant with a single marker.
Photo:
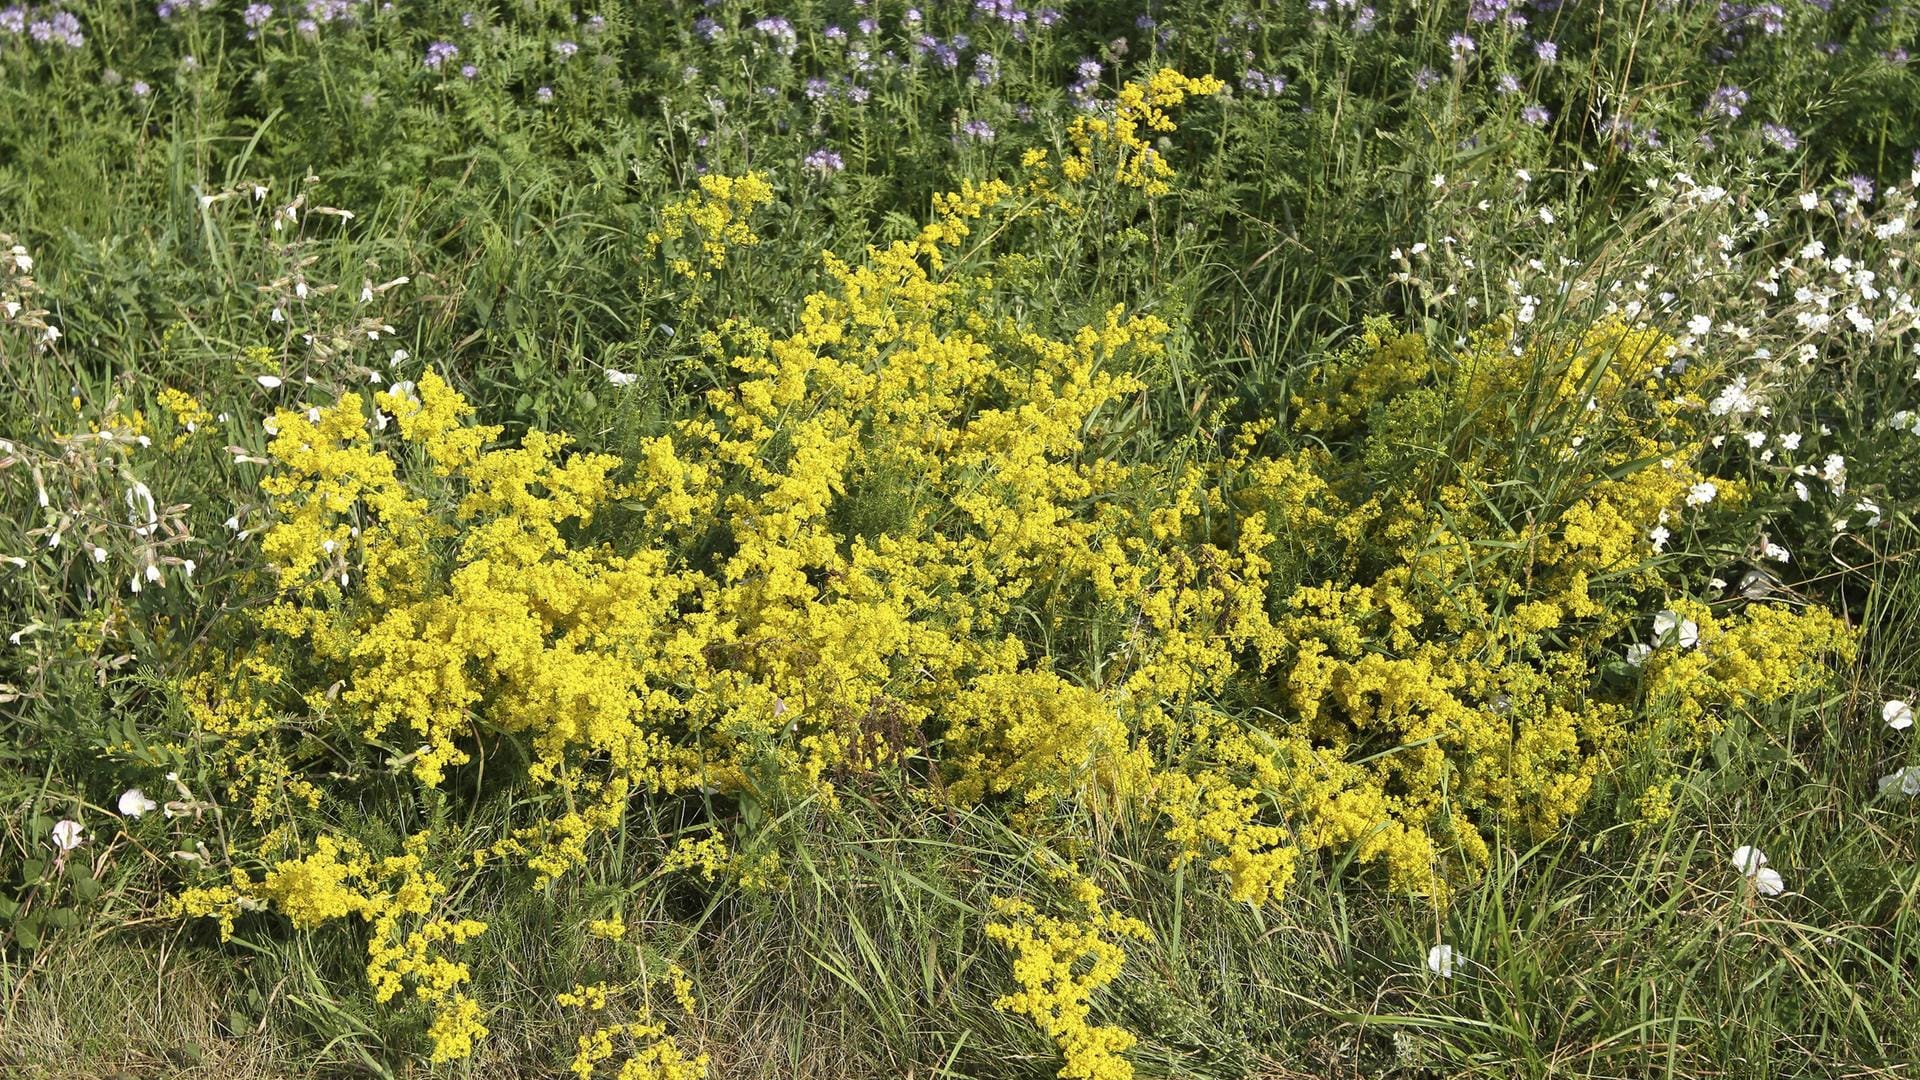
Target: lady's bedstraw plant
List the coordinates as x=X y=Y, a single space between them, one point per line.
x=901 y=531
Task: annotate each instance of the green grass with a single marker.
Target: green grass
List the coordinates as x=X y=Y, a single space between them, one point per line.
x=1610 y=948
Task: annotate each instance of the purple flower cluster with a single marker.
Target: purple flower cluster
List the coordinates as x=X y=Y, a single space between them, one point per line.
x=1725 y=103
x=1782 y=137
x=1086 y=80
x=1254 y=81
x=167 y=9
x=256 y=15
x=785 y=40
x=977 y=130
x=1489 y=11
x=439 y=53
x=322 y=12
x=986 y=69
x=823 y=162
x=44 y=26
x=1736 y=19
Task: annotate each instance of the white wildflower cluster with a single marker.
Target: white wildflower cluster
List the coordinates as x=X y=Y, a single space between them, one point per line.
x=1767 y=293
x=19 y=311
x=1897 y=714
x=329 y=326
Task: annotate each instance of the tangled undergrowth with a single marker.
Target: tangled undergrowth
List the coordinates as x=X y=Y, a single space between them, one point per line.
x=902 y=539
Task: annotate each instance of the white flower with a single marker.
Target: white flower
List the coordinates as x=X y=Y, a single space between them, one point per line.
x=1777 y=553
x=1808 y=200
x=271 y=382
x=621 y=378
x=1907 y=780
x=1748 y=859
x=1668 y=626
x=1735 y=400
x=1702 y=493
x=1637 y=654
x=1658 y=537
x=134 y=803
x=68 y=835
x=1898 y=714
x=1768 y=883
x=1699 y=325
x=1440 y=961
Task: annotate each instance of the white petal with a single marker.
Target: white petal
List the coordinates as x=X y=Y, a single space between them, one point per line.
x=271 y=382
x=1898 y=714
x=1440 y=961
x=1748 y=859
x=1768 y=883
x=134 y=803
x=68 y=835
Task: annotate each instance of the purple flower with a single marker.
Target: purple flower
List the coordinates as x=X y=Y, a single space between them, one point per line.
x=978 y=130
x=1547 y=51
x=1507 y=84
x=1425 y=79
x=986 y=69
x=834 y=33
x=1537 y=115
x=565 y=50
x=824 y=162
x=781 y=31
x=1486 y=11
x=1254 y=81
x=545 y=93
x=14 y=20
x=1861 y=187
x=1782 y=137
x=140 y=88
x=815 y=89
x=257 y=14
x=1724 y=103
x=1363 y=20
x=439 y=53
x=468 y=71
x=1462 y=46
x=706 y=28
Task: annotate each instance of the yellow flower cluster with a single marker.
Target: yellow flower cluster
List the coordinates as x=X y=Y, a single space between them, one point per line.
x=1059 y=964
x=1122 y=136
x=903 y=530
x=396 y=895
x=711 y=221
x=189 y=416
x=653 y=1053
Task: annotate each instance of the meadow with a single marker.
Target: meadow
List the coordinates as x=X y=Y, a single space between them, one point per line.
x=849 y=539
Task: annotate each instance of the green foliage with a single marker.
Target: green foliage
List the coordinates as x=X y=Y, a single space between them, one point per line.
x=227 y=211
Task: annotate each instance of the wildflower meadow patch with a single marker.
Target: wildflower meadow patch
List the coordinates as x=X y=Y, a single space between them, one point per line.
x=971 y=539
